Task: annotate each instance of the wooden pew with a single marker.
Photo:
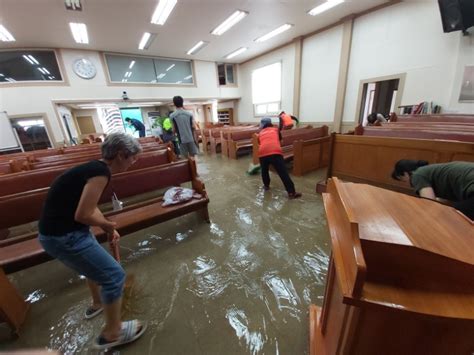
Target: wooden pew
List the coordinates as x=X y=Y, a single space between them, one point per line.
x=312 y=148
x=432 y=118
x=371 y=160
x=465 y=134
x=28 y=252
x=237 y=140
x=400 y=276
x=39 y=178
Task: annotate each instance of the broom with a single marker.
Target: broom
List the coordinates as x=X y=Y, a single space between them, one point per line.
x=130 y=279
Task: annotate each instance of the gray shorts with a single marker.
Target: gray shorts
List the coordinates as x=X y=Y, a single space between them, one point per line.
x=188 y=149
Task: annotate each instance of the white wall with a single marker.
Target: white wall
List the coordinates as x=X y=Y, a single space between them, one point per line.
x=287 y=57
x=38 y=99
x=403 y=38
x=319 y=74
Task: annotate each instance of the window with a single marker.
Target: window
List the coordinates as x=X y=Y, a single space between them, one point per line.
x=29 y=65
x=131 y=69
x=226 y=74
x=266 y=89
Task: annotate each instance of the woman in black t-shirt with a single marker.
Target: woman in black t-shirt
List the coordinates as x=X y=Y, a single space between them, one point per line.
x=69 y=211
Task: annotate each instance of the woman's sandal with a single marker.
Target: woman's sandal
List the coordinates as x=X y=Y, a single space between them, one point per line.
x=131 y=331
x=91 y=312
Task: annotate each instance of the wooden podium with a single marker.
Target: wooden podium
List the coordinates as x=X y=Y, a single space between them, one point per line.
x=400 y=278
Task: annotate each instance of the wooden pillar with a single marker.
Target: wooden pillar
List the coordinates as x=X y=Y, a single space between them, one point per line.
x=343 y=69
x=297 y=82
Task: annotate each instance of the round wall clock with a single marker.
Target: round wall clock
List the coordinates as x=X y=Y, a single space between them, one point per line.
x=84 y=68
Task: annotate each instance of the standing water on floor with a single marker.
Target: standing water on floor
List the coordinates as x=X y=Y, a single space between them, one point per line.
x=239 y=285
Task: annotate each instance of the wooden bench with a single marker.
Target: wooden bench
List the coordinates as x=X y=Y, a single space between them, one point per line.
x=447 y=133
x=238 y=140
x=432 y=118
x=39 y=178
x=312 y=148
x=371 y=160
x=28 y=252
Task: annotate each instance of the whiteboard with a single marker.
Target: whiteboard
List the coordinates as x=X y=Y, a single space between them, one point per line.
x=8 y=138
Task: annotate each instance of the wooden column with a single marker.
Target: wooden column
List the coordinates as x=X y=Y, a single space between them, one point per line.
x=343 y=69
x=297 y=82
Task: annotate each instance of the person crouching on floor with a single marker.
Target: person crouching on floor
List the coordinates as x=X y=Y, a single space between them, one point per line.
x=270 y=153
x=69 y=211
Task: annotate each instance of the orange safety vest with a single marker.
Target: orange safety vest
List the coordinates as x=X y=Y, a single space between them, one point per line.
x=269 y=142
x=286 y=118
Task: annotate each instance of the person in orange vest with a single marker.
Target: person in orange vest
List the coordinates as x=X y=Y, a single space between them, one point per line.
x=270 y=153
x=286 y=120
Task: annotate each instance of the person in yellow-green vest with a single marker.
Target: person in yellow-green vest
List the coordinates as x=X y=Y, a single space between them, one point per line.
x=168 y=134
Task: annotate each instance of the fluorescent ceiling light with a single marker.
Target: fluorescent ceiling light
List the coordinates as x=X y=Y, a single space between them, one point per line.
x=5 y=36
x=179 y=82
x=42 y=71
x=132 y=63
x=232 y=20
x=146 y=40
x=162 y=11
x=79 y=32
x=46 y=70
x=28 y=59
x=33 y=59
x=188 y=77
x=170 y=67
x=198 y=46
x=236 y=53
x=161 y=76
x=10 y=80
x=2 y=75
x=127 y=74
x=275 y=32
x=329 y=4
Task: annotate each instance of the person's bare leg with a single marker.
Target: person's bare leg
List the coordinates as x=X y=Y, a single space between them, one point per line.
x=95 y=293
x=113 y=323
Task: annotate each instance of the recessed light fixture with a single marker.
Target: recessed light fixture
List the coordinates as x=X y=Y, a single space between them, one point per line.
x=197 y=47
x=146 y=40
x=162 y=11
x=170 y=67
x=329 y=4
x=236 y=52
x=5 y=36
x=275 y=32
x=79 y=32
x=232 y=20
x=132 y=63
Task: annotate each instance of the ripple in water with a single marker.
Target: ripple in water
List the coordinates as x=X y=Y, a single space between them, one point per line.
x=285 y=294
x=254 y=340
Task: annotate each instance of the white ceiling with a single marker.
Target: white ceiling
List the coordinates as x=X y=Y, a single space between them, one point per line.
x=117 y=25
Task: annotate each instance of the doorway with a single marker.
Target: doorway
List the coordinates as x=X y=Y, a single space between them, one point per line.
x=32 y=133
x=85 y=124
x=380 y=95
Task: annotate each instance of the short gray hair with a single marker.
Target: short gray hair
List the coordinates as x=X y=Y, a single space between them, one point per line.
x=115 y=143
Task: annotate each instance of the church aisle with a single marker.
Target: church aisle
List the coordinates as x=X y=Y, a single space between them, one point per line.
x=240 y=285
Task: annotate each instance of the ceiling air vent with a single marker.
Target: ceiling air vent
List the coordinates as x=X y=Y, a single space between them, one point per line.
x=73 y=5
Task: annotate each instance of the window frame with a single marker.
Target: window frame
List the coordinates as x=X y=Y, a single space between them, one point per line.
x=279 y=103
x=234 y=84
x=59 y=61
x=117 y=83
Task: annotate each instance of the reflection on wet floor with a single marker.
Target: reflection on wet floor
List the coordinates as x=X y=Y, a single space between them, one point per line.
x=239 y=285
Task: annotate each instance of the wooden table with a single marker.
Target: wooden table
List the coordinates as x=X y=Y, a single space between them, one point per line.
x=400 y=279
